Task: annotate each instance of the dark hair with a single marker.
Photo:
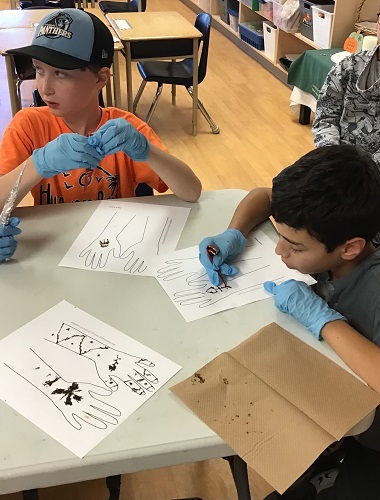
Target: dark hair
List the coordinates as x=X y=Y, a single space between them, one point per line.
x=333 y=192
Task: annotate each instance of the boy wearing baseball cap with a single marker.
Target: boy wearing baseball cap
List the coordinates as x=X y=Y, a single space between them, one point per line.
x=72 y=52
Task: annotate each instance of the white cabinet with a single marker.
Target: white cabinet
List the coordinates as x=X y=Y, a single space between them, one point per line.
x=286 y=43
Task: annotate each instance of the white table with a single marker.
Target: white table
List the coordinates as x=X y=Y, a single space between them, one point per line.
x=162 y=432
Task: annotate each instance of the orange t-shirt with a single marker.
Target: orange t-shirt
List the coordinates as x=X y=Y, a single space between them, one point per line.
x=116 y=176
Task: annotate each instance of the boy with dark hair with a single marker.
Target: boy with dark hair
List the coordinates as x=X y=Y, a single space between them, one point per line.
x=326 y=208
x=72 y=52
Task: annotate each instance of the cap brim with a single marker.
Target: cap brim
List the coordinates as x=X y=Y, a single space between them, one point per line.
x=51 y=57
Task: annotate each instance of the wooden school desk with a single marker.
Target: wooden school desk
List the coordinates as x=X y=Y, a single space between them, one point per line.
x=162 y=432
x=17 y=30
x=151 y=27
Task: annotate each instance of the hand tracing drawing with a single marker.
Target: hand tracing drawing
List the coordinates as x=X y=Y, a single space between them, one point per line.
x=206 y=294
x=188 y=286
x=67 y=371
x=114 y=239
x=112 y=366
x=125 y=236
x=77 y=401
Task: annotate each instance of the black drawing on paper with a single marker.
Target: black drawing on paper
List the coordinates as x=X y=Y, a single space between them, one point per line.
x=112 y=366
x=104 y=243
x=216 y=289
x=79 y=402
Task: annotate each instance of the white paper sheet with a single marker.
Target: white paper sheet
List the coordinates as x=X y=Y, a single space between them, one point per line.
x=76 y=377
x=122 y=237
x=186 y=282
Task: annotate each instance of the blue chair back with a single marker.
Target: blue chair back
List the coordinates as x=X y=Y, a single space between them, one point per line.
x=203 y=24
x=108 y=6
x=136 y=5
x=46 y=4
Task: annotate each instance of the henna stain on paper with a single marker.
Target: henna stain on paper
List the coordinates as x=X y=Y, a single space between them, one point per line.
x=50 y=382
x=218 y=288
x=70 y=393
x=112 y=367
x=104 y=243
x=198 y=378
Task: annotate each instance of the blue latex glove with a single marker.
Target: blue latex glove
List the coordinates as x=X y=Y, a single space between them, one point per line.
x=119 y=135
x=66 y=152
x=298 y=299
x=8 y=244
x=230 y=244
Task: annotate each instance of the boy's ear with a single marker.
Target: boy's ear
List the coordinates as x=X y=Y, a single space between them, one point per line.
x=103 y=77
x=352 y=248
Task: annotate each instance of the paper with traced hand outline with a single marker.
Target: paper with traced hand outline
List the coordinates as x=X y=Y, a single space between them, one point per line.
x=76 y=377
x=122 y=237
x=186 y=282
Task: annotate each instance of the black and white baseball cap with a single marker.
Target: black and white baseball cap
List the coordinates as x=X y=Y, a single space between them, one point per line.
x=70 y=39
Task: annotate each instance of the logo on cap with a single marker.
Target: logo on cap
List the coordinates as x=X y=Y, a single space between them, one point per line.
x=57 y=26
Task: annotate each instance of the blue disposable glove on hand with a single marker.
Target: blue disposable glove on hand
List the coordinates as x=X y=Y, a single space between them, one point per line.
x=8 y=244
x=298 y=299
x=66 y=152
x=119 y=135
x=230 y=244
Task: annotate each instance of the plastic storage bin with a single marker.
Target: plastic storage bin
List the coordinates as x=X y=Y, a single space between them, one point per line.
x=233 y=16
x=223 y=10
x=266 y=9
x=322 y=22
x=270 y=40
x=286 y=15
x=306 y=14
x=252 y=33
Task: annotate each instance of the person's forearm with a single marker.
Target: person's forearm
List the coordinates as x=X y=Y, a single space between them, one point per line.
x=359 y=354
x=29 y=179
x=175 y=173
x=252 y=210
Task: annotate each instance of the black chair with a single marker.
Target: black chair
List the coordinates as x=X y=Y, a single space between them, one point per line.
x=177 y=73
x=24 y=70
x=47 y=4
x=108 y=6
